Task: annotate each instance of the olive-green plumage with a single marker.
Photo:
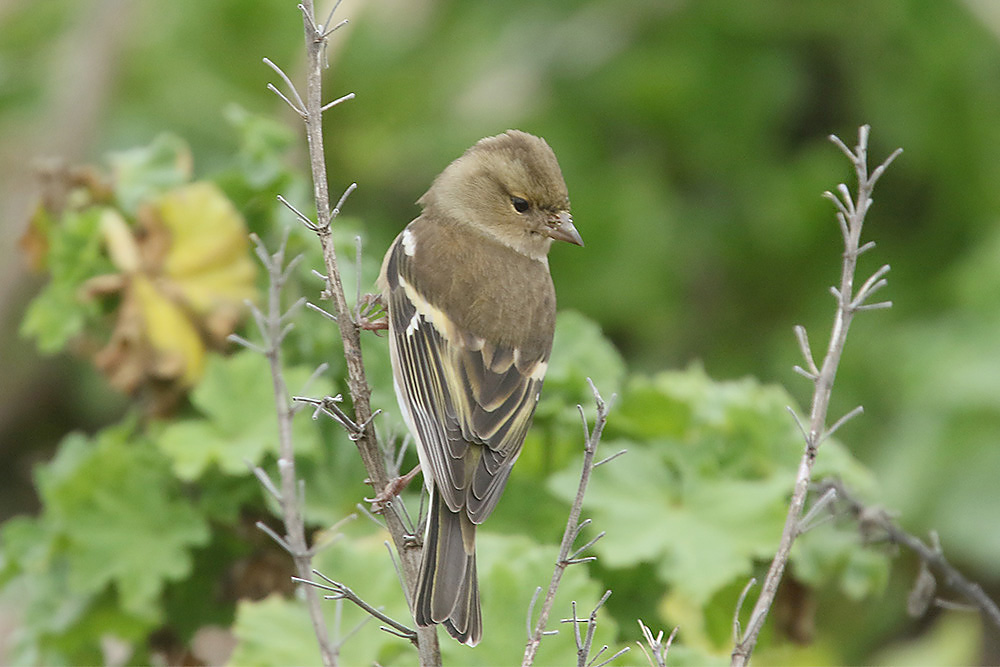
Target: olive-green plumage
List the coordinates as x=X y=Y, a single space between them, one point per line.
x=471 y=319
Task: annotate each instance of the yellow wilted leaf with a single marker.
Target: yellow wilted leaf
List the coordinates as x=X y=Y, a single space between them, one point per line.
x=208 y=241
x=198 y=242
x=178 y=353
x=120 y=242
x=185 y=275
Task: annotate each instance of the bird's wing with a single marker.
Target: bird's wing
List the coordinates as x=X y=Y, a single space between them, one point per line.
x=468 y=401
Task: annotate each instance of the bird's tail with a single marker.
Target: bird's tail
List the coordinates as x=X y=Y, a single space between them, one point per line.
x=447 y=587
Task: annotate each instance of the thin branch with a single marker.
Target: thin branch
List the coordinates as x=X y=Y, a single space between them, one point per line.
x=311 y=107
x=584 y=651
x=395 y=566
x=327 y=33
x=294 y=541
x=804 y=373
x=658 y=647
x=357 y=278
x=843 y=420
x=287 y=101
x=264 y=480
x=303 y=218
x=611 y=458
x=292 y=310
x=279 y=540
x=737 y=631
x=954 y=606
x=342 y=592
x=243 y=342
x=870 y=286
x=573 y=559
x=531 y=610
x=573 y=523
x=881 y=305
x=371 y=517
x=798 y=422
x=340 y=203
x=620 y=653
x=341 y=640
x=319 y=370
x=330 y=105
x=850 y=218
x=873 y=521
x=803 y=338
x=584 y=643
x=314 y=307
x=298 y=105
x=842 y=212
x=808 y=522
x=329 y=17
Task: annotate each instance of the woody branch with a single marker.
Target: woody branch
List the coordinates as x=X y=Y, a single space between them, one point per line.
x=851 y=214
x=310 y=108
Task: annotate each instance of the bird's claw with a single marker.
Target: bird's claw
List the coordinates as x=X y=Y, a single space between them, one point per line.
x=371 y=313
x=392 y=489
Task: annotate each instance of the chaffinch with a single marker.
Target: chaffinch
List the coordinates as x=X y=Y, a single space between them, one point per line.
x=471 y=319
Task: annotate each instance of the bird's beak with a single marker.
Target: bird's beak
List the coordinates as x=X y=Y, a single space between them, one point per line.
x=560 y=228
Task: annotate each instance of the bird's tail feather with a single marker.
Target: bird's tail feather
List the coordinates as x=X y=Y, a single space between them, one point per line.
x=447 y=587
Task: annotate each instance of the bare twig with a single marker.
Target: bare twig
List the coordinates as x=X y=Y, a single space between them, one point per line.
x=272 y=331
x=584 y=643
x=298 y=106
x=359 y=426
x=342 y=592
x=315 y=308
x=878 y=524
x=810 y=521
x=850 y=217
x=737 y=631
x=657 y=654
x=310 y=107
x=573 y=526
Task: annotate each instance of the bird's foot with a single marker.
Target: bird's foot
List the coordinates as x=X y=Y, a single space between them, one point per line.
x=392 y=489
x=371 y=313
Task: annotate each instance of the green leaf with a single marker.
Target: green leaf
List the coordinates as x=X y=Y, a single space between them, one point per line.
x=75 y=254
x=263 y=144
x=953 y=639
x=239 y=422
x=54 y=317
x=278 y=631
x=737 y=427
x=865 y=574
x=703 y=492
x=142 y=173
x=510 y=568
x=581 y=351
x=50 y=615
x=25 y=544
x=834 y=554
x=702 y=532
x=273 y=631
x=122 y=515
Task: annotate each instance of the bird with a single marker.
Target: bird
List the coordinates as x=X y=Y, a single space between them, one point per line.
x=471 y=318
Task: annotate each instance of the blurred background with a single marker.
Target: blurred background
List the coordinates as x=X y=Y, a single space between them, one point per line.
x=693 y=139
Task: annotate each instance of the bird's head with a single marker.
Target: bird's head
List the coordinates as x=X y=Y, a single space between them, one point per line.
x=508 y=187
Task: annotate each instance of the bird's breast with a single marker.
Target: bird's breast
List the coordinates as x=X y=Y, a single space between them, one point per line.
x=488 y=289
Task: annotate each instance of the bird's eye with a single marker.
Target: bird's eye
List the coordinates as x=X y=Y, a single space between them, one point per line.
x=520 y=205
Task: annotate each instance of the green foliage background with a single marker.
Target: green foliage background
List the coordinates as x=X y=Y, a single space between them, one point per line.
x=692 y=138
